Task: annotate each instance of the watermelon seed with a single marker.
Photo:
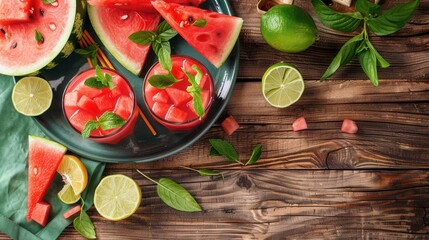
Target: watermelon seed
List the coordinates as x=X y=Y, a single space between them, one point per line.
x=124 y=17
x=55 y=4
x=41 y=12
x=35 y=171
x=52 y=26
x=31 y=11
x=14 y=45
x=190 y=20
x=3 y=31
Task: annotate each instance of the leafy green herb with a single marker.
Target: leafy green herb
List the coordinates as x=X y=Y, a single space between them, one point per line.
x=108 y=120
x=380 y=23
x=226 y=150
x=89 y=52
x=39 y=36
x=201 y=22
x=100 y=80
x=161 y=46
x=194 y=90
x=162 y=81
x=83 y=224
x=256 y=155
x=174 y=195
x=205 y=172
x=214 y=152
x=48 y=1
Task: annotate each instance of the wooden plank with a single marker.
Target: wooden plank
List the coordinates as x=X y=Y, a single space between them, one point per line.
x=393 y=121
x=406 y=50
x=304 y=204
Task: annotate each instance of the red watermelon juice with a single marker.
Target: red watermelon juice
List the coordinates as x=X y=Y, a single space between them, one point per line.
x=173 y=106
x=82 y=103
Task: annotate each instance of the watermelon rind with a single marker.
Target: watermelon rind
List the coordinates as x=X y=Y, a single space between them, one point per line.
x=66 y=44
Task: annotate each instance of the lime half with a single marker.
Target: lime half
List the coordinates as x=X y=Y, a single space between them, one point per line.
x=117 y=197
x=67 y=195
x=32 y=96
x=282 y=85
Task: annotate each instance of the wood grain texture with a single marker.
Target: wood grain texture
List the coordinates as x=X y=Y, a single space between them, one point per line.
x=304 y=204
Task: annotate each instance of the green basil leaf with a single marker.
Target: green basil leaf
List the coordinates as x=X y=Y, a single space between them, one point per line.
x=143 y=37
x=162 y=81
x=48 y=1
x=368 y=9
x=343 y=22
x=176 y=196
x=201 y=22
x=38 y=36
x=90 y=126
x=368 y=62
x=163 y=50
x=89 y=52
x=165 y=32
x=84 y=225
x=163 y=27
x=256 y=155
x=226 y=150
x=110 y=120
x=93 y=82
x=393 y=19
x=205 y=172
x=346 y=53
x=380 y=60
x=194 y=90
x=214 y=152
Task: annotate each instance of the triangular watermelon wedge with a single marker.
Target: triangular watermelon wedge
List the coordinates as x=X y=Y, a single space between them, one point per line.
x=215 y=35
x=44 y=156
x=114 y=25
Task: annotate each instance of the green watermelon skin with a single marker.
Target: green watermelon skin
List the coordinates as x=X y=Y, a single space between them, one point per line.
x=30 y=57
x=44 y=157
x=214 y=41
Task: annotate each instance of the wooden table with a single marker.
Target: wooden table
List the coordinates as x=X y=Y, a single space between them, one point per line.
x=315 y=184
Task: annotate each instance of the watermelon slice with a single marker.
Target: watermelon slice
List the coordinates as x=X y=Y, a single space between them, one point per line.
x=44 y=156
x=72 y=212
x=139 y=5
x=214 y=41
x=60 y=25
x=114 y=25
x=41 y=213
x=15 y=11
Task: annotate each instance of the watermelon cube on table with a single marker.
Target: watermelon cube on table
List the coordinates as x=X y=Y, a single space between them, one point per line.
x=44 y=156
x=15 y=11
x=229 y=125
x=41 y=213
x=72 y=211
x=214 y=39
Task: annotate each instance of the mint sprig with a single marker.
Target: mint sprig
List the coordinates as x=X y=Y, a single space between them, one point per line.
x=194 y=90
x=108 y=120
x=83 y=224
x=159 y=40
x=89 y=52
x=225 y=149
x=374 y=20
x=100 y=80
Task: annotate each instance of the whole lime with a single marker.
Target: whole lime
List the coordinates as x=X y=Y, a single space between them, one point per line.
x=288 y=28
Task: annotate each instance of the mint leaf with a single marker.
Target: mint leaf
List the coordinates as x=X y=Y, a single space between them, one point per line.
x=194 y=90
x=38 y=36
x=90 y=126
x=205 y=172
x=89 y=52
x=93 y=82
x=110 y=120
x=346 y=53
x=256 y=155
x=368 y=9
x=84 y=225
x=343 y=22
x=143 y=37
x=201 y=22
x=174 y=195
x=162 y=81
x=368 y=62
x=214 y=152
x=100 y=80
x=225 y=149
x=165 y=32
x=162 y=49
x=394 y=19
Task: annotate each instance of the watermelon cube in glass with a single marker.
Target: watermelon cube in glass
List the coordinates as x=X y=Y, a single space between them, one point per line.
x=172 y=107
x=91 y=103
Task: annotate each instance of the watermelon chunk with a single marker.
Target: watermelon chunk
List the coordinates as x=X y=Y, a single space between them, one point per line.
x=161 y=97
x=176 y=115
x=15 y=11
x=87 y=104
x=114 y=25
x=214 y=41
x=229 y=125
x=139 y=5
x=71 y=212
x=105 y=103
x=178 y=96
x=88 y=91
x=299 y=124
x=41 y=213
x=80 y=118
x=124 y=107
x=161 y=109
x=71 y=99
x=44 y=156
x=349 y=126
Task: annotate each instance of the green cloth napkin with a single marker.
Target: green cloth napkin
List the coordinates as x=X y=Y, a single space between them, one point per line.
x=14 y=131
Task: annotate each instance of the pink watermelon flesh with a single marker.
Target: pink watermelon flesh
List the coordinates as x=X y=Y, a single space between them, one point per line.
x=44 y=156
x=139 y=5
x=15 y=11
x=114 y=25
x=178 y=96
x=176 y=115
x=41 y=213
x=161 y=97
x=214 y=41
x=20 y=53
x=161 y=109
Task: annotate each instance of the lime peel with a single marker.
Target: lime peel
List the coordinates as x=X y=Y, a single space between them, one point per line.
x=32 y=96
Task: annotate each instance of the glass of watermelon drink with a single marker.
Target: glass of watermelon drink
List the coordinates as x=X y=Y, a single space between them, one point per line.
x=82 y=103
x=173 y=106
